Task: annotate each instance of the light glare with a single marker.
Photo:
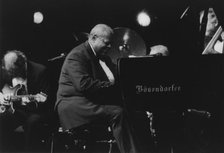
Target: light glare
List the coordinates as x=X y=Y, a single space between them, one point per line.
x=143 y=19
x=38 y=17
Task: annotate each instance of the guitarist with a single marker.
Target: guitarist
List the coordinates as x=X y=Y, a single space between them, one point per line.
x=31 y=78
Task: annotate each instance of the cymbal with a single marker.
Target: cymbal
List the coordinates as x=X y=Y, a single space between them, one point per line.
x=126 y=43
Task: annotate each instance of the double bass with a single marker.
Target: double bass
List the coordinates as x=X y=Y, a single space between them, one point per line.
x=212 y=42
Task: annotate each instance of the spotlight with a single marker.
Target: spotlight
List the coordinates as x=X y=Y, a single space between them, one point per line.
x=38 y=17
x=143 y=19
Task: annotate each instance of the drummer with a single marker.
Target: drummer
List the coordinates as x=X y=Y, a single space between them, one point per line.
x=159 y=50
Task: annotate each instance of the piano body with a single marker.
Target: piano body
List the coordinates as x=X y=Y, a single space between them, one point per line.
x=179 y=83
x=182 y=96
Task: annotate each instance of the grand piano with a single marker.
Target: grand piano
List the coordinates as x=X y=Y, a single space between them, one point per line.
x=183 y=93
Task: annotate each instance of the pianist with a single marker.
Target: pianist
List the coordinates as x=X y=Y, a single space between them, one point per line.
x=87 y=89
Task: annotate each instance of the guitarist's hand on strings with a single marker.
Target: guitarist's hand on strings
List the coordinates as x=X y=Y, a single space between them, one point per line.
x=40 y=97
x=25 y=100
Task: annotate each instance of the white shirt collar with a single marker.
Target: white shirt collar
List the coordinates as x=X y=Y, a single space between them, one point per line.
x=92 y=49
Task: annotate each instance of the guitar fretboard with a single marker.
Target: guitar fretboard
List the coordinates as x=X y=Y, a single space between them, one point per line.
x=19 y=97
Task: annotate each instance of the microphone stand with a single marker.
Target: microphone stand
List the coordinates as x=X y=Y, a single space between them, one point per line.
x=63 y=55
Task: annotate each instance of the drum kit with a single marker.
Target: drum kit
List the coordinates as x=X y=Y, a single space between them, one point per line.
x=126 y=43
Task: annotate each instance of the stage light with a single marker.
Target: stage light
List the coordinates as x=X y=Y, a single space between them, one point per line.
x=38 y=17
x=143 y=19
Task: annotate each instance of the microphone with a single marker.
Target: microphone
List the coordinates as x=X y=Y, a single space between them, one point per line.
x=57 y=57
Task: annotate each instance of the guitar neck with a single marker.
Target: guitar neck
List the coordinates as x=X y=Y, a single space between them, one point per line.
x=19 y=97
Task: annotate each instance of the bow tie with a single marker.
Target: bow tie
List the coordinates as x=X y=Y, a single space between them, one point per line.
x=101 y=57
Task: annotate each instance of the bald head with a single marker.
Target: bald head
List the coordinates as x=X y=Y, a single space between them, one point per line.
x=159 y=50
x=9 y=60
x=101 y=30
x=14 y=62
x=100 y=38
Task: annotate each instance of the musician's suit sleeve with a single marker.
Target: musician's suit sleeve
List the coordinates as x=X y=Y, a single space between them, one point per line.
x=81 y=74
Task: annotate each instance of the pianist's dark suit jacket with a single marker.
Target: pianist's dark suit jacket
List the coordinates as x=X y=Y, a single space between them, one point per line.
x=83 y=88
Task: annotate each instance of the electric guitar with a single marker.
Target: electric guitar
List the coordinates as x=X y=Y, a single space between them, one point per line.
x=12 y=97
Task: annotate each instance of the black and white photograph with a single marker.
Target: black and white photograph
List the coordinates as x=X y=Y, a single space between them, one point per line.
x=111 y=76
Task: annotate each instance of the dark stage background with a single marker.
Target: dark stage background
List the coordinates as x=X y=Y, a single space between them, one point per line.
x=65 y=18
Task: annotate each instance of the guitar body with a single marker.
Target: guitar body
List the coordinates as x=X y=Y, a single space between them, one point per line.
x=12 y=91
